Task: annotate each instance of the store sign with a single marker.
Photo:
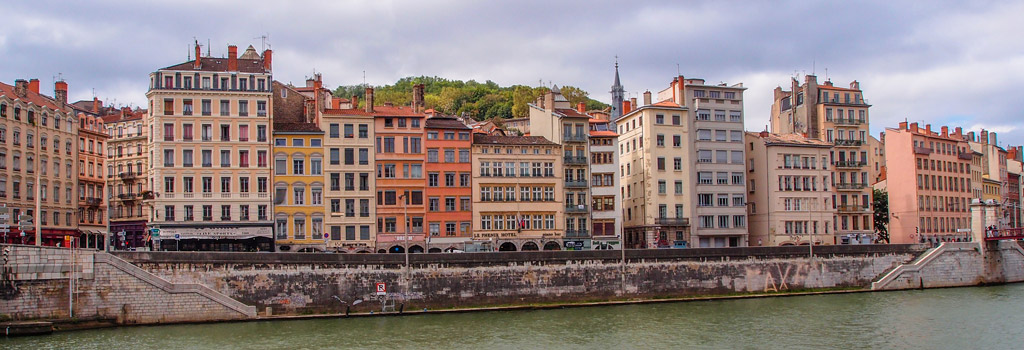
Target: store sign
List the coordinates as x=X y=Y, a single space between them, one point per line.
x=573 y=245
x=218 y=232
x=486 y=235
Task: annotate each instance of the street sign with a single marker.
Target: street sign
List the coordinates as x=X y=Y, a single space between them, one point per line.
x=5 y=215
x=25 y=222
x=382 y=288
x=177 y=236
x=155 y=232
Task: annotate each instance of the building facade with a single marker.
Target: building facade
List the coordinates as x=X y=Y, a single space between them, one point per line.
x=517 y=193
x=38 y=172
x=553 y=118
x=126 y=177
x=212 y=191
x=790 y=191
x=606 y=200
x=449 y=187
x=401 y=206
x=92 y=205
x=929 y=184
x=840 y=116
x=351 y=183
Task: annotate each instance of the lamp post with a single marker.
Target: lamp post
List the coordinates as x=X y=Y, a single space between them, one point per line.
x=407 y=223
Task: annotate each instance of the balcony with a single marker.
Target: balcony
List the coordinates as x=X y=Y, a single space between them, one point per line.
x=93 y=201
x=845 y=121
x=127 y=197
x=576 y=208
x=852 y=209
x=834 y=101
x=577 y=233
x=849 y=143
x=575 y=160
x=672 y=221
x=850 y=186
x=574 y=138
x=850 y=164
x=965 y=156
x=922 y=150
x=575 y=184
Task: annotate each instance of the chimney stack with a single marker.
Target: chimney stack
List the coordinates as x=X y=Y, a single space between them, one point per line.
x=355 y=101
x=928 y=128
x=993 y=140
x=959 y=132
x=268 y=56
x=970 y=137
x=60 y=92
x=369 y=100
x=903 y=125
x=855 y=85
x=33 y=85
x=417 y=98
x=626 y=107
x=764 y=133
x=95 y=105
x=945 y=131
x=21 y=88
x=984 y=136
x=914 y=127
x=198 y=62
x=232 y=58
x=647 y=98
x=549 y=101
x=633 y=103
x=581 y=107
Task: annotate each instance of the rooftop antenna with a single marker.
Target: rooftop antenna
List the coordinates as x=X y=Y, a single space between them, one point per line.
x=826 y=73
x=678 y=72
x=813 y=67
x=364 y=78
x=264 y=39
x=208 y=48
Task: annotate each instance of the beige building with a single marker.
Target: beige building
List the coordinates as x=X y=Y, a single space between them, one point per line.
x=349 y=173
x=716 y=154
x=517 y=193
x=837 y=115
x=553 y=118
x=127 y=168
x=38 y=167
x=209 y=122
x=790 y=191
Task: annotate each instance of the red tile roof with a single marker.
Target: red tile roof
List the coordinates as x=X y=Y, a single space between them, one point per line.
x=439 y=122
x=378 y=111
x=603 y=133
x=30 y=97
x=479 y=139
x=216 y=64
x=569 y=112
x=667 y=103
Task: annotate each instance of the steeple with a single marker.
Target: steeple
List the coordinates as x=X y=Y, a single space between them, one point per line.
x=618 y=94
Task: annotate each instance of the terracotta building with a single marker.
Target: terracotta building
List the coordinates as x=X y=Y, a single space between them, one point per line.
x=606 y=199
x=92 y=206
x=517 y=193
x=209 y=122
x=400 y=181
x=127 y=165
x=449 y=191
x=929 y=184
x=38 y=171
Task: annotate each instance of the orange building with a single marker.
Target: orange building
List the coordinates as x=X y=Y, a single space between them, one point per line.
x=92 y=209
x=449 y=188
x=401 y=207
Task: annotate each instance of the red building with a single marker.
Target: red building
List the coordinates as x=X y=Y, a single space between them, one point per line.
x=401 y=206
x=449 y=188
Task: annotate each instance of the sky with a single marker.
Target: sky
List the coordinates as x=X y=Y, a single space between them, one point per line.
x=938 y=62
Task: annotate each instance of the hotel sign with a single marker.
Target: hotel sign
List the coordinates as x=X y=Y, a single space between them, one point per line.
x=218 y=232
x=483 y=236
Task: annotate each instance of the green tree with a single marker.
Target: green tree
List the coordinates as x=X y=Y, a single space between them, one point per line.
x=575 y=95
x=880 y=201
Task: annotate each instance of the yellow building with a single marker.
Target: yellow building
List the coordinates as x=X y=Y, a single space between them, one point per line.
x=298 y=174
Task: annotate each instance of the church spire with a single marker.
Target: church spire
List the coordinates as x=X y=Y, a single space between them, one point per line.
x=618 y=93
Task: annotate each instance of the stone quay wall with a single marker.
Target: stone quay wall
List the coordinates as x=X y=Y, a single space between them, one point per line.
x=290 y=283
x=958 y=264
x=36 y=280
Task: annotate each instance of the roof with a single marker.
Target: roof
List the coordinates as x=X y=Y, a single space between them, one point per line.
x=666 y=103
x=291 y=117
x=30 y=97
x=378 y=111
x=603 y=133
x=439 y=122
x=790 y=139
x=569 y=112
x=249 y=62
x=119 y=116
x=512 y=140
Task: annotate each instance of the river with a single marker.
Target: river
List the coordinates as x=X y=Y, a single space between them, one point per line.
x=957 y=318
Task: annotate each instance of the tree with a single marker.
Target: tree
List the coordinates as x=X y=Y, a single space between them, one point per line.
x=575 y=95
x=880 y=201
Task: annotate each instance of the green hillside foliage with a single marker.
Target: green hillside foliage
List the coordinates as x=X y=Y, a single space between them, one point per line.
x=482 y=101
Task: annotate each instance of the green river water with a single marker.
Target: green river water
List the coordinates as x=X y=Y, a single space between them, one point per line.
x=959 y=318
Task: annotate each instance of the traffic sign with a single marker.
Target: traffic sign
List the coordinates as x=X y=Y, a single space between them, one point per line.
x=177 y=236
x=155 y=232
x=382 y=288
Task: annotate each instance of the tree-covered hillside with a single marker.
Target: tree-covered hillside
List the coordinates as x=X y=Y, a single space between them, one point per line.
x=454 y=97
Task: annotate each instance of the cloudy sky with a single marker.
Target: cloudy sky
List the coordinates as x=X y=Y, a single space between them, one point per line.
x=945 y=63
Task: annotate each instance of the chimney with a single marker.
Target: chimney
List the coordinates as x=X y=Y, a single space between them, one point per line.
x=928 y=128
x=95 y=105
x=581 y=107
x=984 y=136
x=549 y=101
x=945 y=131
x=903 y=125
x=764 y=133
x=369 y=100
x=633 y=103
x=855 y=85
x=60 y=92
x=198 y=62
x=970 y=137
x=914 y=127
x=959 y=132
x=268 y=56
x=626 y=107
x=417 y=98
x=647 y=98
x=310 y=82
x=993 y=140
x=355 y=101
x=33 y=85
x=232 y=58
x=21 y=88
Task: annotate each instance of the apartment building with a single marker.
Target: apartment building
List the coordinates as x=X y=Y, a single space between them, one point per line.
x=715 y=117
x=1014 y=172
x=401 y=206
x=995 y=184
x=929 y=184
x=212 y=192
x=606 y=200
x=92 y=206
x=298 y=171
x=790 y=191
x=351 y=183
x=38 y=172
x=838 y=115
x=127 y=183
x=656 y=196
x=517 y=193
x=553 y=118
x=449 y=188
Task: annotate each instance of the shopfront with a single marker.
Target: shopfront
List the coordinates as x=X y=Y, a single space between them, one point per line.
x=221 y=238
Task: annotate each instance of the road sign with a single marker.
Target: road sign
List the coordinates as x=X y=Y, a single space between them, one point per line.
x=5 y=215
x=25 y=222
x=177 y=236
x=382 y=288
x=155 y=232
